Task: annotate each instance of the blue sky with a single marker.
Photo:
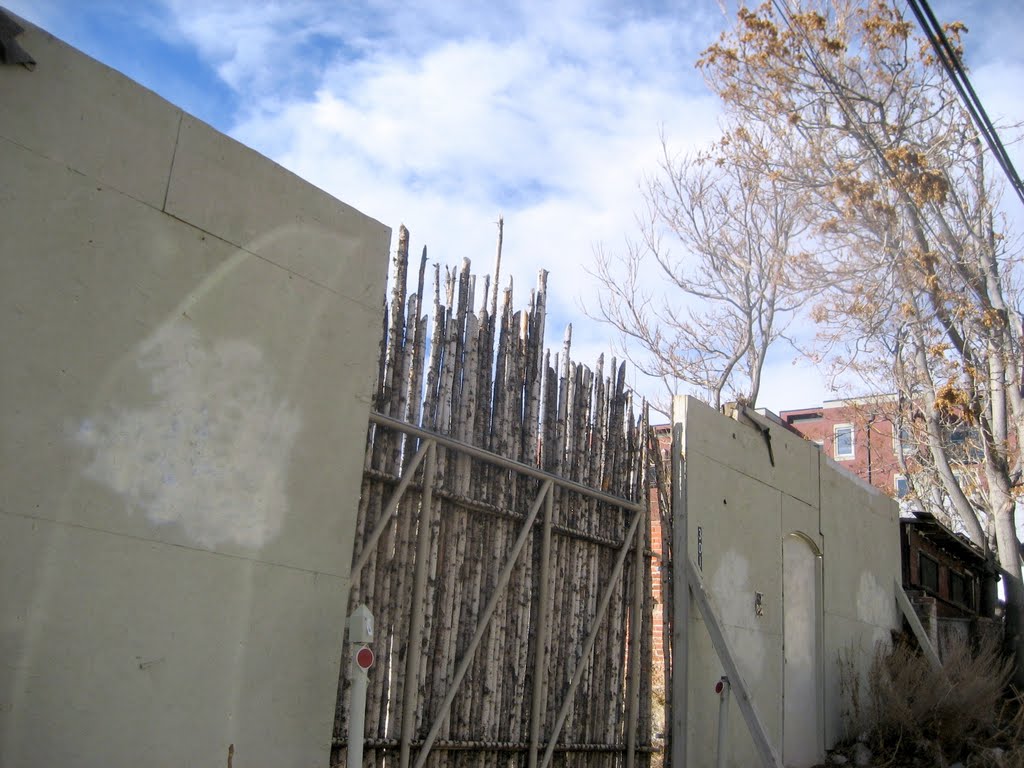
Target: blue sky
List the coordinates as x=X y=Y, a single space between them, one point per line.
x=441 y=115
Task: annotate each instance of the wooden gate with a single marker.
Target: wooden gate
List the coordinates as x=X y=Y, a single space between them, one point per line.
x=501 y=543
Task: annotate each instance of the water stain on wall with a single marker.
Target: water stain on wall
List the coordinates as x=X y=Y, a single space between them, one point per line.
x=875 y=605
x=211 y=454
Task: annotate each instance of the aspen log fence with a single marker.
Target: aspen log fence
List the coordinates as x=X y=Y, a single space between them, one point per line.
x=501 y=543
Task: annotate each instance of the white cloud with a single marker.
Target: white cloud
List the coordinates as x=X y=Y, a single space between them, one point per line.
x=443 y=115
x=552 y=123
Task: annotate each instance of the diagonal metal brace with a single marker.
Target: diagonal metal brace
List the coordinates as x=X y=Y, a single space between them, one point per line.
x=765 y=750
x=485 y=618
x=390 y=508
x=588 y=644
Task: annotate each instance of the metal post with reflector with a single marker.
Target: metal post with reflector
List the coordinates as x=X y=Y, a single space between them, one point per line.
x=722 y=688
x=360 y=633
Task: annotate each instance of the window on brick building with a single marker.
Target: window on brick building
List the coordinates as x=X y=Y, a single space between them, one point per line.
x=928 y=572
x=961 y=589
x=902 y=486
x=903 y=439
x=843 y=441
x=965 y=444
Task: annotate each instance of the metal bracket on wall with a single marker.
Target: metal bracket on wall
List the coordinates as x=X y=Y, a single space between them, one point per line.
x=10 y=51
x=755 y=420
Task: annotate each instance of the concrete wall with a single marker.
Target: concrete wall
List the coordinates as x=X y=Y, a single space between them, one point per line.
x=188 y=351
x=740 y=509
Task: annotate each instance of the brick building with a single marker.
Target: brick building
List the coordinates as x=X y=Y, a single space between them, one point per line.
x=858 y=434
x=664 y=434
x=949 y=580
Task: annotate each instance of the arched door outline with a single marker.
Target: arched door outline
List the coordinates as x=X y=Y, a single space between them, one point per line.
x=803 y=671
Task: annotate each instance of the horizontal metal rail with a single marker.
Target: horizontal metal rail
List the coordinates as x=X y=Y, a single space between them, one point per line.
x=496 y=746
x=493 y=458
x=485 y=508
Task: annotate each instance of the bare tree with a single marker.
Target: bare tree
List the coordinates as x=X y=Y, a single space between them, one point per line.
x=925 y=294
x=707 y=288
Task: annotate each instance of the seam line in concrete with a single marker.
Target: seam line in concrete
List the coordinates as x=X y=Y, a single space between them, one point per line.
x=758 y=480
x=160 y=542
x=174 y=156
x=311 y=281
x=106 y=185
x=368 y=306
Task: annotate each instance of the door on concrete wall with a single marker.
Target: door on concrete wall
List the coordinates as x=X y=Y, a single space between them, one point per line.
x=801 y=725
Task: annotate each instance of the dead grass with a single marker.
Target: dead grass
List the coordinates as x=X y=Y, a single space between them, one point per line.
x=909 y=714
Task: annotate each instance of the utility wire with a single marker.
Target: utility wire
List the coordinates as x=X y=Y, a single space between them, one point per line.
x=950 y=61
x=954 y=68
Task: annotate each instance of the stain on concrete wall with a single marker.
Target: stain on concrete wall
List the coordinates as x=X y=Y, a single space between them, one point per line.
x=211 y=452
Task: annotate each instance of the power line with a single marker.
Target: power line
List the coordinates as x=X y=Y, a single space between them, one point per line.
x=954 y=68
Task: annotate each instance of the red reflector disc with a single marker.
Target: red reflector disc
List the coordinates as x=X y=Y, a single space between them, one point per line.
x=719 y=687
x=364 y=658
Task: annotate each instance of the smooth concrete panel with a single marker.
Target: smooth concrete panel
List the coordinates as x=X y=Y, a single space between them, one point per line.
x=191 y=652
x=847 y=641
x=862 y=557
x=176 y=408
x=705 y=671
x=209 y=169
x=736 y=514
x=741 y=539
x=741 y=446
x=861 y=565
x=802 y=668
x=87 y=116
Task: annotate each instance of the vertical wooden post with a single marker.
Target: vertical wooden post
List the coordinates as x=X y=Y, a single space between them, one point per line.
x=680 y=593
x=636 y=630
x=419 y=586
x=485 y=617
x=540 y=655
x=588 y=644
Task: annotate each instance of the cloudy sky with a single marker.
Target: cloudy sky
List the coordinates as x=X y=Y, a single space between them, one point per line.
x=441 y=115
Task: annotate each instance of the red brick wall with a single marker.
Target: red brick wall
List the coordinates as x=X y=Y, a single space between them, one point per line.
x=657 y=543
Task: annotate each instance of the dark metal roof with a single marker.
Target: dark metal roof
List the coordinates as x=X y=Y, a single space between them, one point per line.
x=929 y=526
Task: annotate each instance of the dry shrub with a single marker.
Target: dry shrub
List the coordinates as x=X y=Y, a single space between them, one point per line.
x=914 y=714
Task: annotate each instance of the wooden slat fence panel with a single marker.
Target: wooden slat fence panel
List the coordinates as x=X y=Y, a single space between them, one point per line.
x=481 y=376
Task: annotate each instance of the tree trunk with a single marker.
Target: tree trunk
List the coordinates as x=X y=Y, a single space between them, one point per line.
x=1008 y=549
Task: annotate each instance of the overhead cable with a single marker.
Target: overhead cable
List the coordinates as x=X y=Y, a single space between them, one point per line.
x=950 y=61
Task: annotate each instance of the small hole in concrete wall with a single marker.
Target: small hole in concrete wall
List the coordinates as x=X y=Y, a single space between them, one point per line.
x=733 y=435
x=724 y=501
